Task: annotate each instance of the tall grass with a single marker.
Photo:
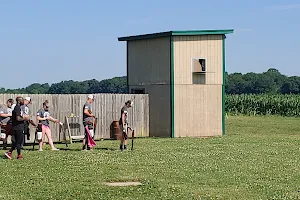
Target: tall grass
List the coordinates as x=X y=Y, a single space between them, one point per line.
x=263 y=104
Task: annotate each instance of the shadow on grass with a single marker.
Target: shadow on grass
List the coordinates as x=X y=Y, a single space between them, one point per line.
x=93 y=149
x=68 y=149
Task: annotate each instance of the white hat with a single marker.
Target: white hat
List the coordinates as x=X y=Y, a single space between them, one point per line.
x=28 y=98
x=91 y=96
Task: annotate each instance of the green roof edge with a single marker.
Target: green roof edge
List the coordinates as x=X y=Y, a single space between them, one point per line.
x=177 y=33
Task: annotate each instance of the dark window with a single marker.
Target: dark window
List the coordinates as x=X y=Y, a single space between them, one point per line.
x=138 y=91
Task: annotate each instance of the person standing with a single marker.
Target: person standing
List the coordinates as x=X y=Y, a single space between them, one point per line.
x=123 y=122
x=25 y=109
x=43 y=116
x=18 y=118
x=6 y=115
x=88 y=119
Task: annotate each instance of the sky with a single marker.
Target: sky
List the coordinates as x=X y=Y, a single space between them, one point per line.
x=57 y=40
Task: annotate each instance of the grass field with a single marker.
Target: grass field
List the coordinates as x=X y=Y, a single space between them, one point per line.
x=257 y=159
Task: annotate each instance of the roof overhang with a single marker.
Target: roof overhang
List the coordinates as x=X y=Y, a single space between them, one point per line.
x=177 y=33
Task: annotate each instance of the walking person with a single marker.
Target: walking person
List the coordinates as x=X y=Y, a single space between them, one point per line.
x=43 y=116
x=6 y=120
x=123 y=122
x=18 y=118
x=25 y=109
x=88 y=119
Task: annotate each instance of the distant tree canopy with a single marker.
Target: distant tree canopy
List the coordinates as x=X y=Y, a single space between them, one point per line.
x=271 y=82
x=114 y=85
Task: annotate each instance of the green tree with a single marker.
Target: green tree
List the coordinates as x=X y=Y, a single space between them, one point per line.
x=93 y=86
x=250 y=80
x=37 y=88
x=235 y=84
x=114 y=85
x=291 y=86
x=271 y=81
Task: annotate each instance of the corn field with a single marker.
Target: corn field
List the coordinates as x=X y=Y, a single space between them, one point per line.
x=263 y=104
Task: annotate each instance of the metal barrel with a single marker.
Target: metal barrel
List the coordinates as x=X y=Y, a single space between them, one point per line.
x=116 y=131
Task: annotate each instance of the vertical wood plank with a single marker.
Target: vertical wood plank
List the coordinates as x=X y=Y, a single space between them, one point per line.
x=106 y=107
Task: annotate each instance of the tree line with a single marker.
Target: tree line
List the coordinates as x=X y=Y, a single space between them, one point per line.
x=269 y=82
x=114 y=85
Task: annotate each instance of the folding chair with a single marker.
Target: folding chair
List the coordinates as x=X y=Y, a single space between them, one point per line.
x=72 y=123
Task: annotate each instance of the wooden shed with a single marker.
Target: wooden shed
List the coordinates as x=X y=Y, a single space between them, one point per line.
x=183 y=73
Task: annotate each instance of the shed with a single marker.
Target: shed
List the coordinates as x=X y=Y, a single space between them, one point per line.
x=183 y=72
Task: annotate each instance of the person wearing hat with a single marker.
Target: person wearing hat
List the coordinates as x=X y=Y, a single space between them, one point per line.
x=25 y=110
x=88 y=119
x=27 y=100
x=24 y=113
x=124 y=124
x=18 y=119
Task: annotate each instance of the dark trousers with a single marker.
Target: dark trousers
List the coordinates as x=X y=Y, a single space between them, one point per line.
x=19 y=136
x=8 y=131
x=86 y=138
x=26 y=133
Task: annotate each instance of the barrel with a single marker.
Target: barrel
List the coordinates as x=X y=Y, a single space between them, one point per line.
x=116 y=131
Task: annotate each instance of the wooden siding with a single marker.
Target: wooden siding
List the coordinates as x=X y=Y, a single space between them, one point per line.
x=208 y=47
x=107 y=107
x=149 y=68
x=149 y=61
x=198 y=110
x=159 y=109
x=198 y=107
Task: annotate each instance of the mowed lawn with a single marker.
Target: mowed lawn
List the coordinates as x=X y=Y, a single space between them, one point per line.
x=259 y=158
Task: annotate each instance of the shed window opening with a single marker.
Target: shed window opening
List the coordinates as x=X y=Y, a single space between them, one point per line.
x=138 y=91
x=199 y=65
x=199 y=78
x=199 y=70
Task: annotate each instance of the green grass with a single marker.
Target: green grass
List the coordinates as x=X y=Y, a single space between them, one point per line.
x=257 y=159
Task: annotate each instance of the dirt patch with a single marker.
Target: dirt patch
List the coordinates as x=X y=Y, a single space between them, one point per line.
x=122 y=184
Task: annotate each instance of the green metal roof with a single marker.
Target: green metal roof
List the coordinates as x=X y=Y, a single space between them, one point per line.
x=177 y=33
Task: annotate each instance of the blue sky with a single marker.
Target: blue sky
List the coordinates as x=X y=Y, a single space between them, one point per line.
x=46 y=40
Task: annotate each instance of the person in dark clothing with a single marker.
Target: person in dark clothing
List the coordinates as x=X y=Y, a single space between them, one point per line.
x=18 y=118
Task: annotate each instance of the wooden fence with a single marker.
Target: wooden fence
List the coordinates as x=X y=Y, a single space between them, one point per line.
x=107 y=107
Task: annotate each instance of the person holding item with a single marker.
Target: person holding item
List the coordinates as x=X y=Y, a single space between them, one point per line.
x=25 y=109
x=18 y=119
x=43 y=116
x=88 y=118
x=124 y=124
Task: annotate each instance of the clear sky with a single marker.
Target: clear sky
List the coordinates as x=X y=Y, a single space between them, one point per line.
x=46 y=40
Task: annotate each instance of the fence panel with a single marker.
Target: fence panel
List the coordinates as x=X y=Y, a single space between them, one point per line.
x=107 y=107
